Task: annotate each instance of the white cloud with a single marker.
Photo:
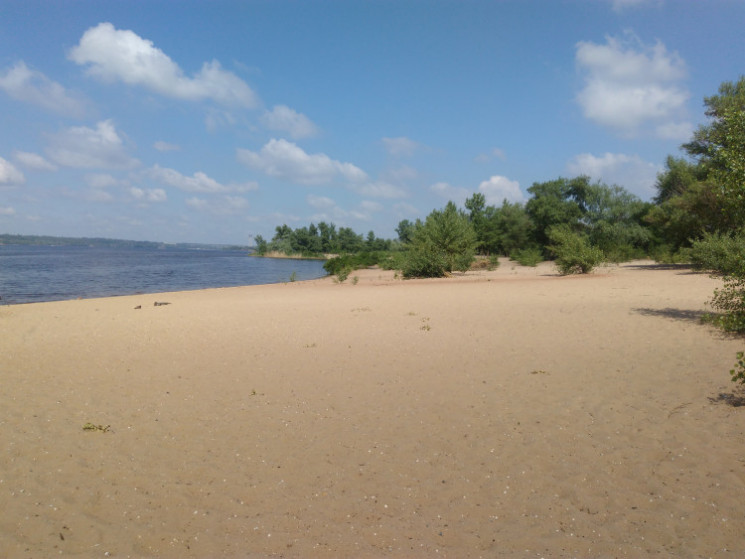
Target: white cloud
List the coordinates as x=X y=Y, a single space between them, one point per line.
x=31 y=86
x=9 y=175
x=492 y=154
x=329 y=209
x=675 y=131
x=370 y=206
x=498 y=188
x=629 y=171
x=84 y=147
x=199 y=182
x=165 y=146
x=320 y=202
x=379 y=189
x=100 y=180
x=284 y=119
x=626 y=88
x=456 y=194
x=33 y=161
x=226 y=205
x=7 y=210
x=287 y=161
x=148 y=195
x=217 y=119
x=400 y=147
x=121 y=55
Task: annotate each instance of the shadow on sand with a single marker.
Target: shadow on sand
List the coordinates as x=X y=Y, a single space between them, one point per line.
x=675 y=314
x=680 y=268
x=735 y=399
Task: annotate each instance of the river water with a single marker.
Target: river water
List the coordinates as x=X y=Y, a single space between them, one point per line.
x=30 y=274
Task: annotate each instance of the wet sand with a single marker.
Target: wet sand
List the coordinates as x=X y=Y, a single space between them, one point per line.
x=512 y=413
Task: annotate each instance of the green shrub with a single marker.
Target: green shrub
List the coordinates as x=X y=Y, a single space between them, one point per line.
x=738 y=373
x=528 y=257
x=664 y=254
x=574 y=253
x=420 y=263
x=720 y=254
x=730 y=300
x=493 y=262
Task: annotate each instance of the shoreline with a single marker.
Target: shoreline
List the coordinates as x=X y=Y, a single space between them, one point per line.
x=509 y=413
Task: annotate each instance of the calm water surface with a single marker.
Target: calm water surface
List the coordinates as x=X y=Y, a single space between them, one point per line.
x=31 y=274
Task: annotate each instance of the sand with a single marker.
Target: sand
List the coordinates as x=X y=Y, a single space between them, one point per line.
x=512 y=413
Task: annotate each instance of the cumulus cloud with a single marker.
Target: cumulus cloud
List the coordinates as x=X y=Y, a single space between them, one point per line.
x=9 y=175
x=33 y=161
x=23 y=84
x=89 y=148
x=629 y=171
x=444 y=190
x=319 y=202
x=165 y=146
x=498 y=188
x=400 y=147
x=379 y=189
x=100 y=180
x=284 y=119
x=225 y=205
x=199 y=182
x=627 y=87
x=285 y=160
x=148 y=194
x=112 y=55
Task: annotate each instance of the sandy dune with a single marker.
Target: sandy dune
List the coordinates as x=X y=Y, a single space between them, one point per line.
x=512 y=413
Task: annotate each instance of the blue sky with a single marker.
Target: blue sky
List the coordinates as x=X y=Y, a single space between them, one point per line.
x=217 y=121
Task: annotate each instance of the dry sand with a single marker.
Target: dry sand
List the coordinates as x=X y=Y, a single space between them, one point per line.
x=512 y=413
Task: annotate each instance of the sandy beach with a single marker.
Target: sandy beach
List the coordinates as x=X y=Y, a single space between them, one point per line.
x=511 y=413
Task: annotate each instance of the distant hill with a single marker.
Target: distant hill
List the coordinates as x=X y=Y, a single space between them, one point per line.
x=46 y=240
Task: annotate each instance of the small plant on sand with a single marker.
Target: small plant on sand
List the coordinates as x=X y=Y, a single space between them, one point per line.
x=293 y=277
x=738 y=373
x=528 y=257
x=355 y=279
x=94 y=427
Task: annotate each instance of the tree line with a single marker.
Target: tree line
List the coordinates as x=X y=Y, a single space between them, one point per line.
x=697 y=216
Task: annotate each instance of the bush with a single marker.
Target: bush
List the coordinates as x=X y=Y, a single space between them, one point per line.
x=720 y=254
x=738 y=373
x=528 y=257
x=351 y=262
x=574 y=254
x=730 y=300
x=446 y=241
x=664 y=254
x=420 y=263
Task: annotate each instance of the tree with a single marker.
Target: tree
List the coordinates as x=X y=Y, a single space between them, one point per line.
x=554 y=203
x=405 y=231
x=476 y=204
x=719 y=147
x=261 y=245
x=445 y=242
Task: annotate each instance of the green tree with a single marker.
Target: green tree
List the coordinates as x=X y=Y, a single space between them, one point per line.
x=476 y=205
x=261 y=245
x=405 y=231
x=445 y=242
x=554 y=203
